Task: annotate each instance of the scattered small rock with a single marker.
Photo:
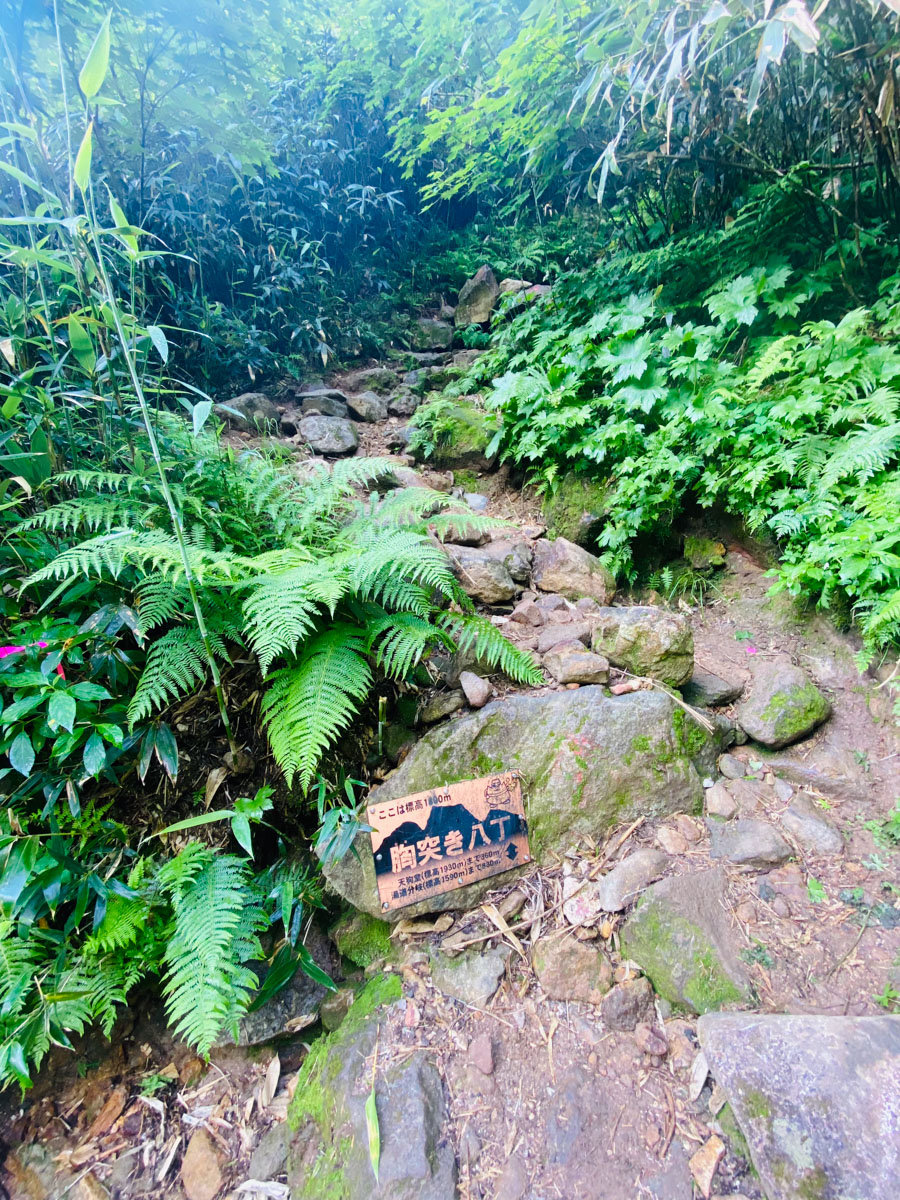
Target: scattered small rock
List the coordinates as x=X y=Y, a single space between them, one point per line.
x=783 y=706
x=732 y=767
x=442 y=705
x=672 y=840
x=705 y=690
x=627 y=1005
x=328 y=435
x=268 y=1159
x=556 y=635
x=403 y=403
x=720 y=802
x=477 y=690
x=748 y=842
x=481 y=1054
x=527 y=612
x=251 y=411
x=513 y=1183
x=430 y=334
x=650 y=1039
x=201 y=1167
x=482 y=575
x=804 y=822
x=626 y=881
x=473 y=977
x=368 y=406
x=571 y=970
x=705 y=1162
x=326 y=402
x=571 y=662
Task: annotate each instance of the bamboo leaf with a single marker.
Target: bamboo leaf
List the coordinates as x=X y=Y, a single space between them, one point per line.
x=374 y=1132
x=97 y=62
x=83 y=158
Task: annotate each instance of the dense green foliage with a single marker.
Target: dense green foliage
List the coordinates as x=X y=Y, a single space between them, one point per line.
x=191 y=201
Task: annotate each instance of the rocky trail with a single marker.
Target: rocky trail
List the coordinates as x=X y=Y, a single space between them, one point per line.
x=689 y=991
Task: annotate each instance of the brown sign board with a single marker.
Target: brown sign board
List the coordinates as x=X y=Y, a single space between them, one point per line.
x=436 y=841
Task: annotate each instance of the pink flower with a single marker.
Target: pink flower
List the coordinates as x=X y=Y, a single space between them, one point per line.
x=6 y=650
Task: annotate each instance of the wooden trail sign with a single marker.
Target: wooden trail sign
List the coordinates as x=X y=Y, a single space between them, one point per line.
x=436 y=841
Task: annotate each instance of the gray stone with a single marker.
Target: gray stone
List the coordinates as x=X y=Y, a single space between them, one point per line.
x=551 y=603
x=327 y=402
x=719 y=802
x=368 y=406
x=806 y=824
x=270 y=1156
x=516 y=556
x=403 y=403
x=628 y=1004
x=646 y=641
x=732 y=767
x=292 y=1008
x=681 y=937
x=556 y=635
x=572 y=663
x=478 y=691
x=328 y=435
x=428 y=334
x=477 y=298
x=527 y=612
x=476 y=501
x=328 y=1152
x=482 y=575
x=564 y=568
x=473 y=976
x=571 y=970
x=440 y=706
x=588 y=762
x=783 y=706
x=376 y=379
x=748 y=842
x=250 y=411
x=513 y=1182
x=816 y=1097
x=705 y=690
x=618 y=888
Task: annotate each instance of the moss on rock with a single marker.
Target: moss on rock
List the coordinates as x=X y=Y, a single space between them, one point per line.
x=575 y=509
x=362 y=939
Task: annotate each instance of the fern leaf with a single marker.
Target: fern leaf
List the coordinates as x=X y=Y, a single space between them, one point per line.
x=308 y=705
x=471 y=632
x=176 y=665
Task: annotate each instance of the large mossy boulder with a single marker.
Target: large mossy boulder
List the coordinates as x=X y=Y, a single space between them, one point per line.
x=681 y=937
x=783 y=705
x=465 y=433
x=587 y=761
x=562 y=568
x=575 y=509
x=477 y=298
x=328 y=1142
x=252 y=411
x=646 y=641
x=817 y=1099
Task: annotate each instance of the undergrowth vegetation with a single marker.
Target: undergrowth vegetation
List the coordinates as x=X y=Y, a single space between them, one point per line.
x=191 y=203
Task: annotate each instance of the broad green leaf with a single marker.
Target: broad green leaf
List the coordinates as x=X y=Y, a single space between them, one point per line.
x=240 y=827
x=167 y=751
x=90 y=691
x=21 y=754
x=82 y=345
x=21 y=708
x=96 y=64
x=61 y=711
x=121 y=222
x=201 y=415
x=374 y=1132
x=208 y=818
x=111 y=733
x=158 y=338
x=83 y=159
x=94 y=755
x=311 y=968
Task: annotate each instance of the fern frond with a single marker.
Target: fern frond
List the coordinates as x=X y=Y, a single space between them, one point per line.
x=398 y=641
x=158 y=601
x=176 y=664
x=308 y=705
x=472 y=632
x=18 y=959
x=775 y=359
x=120 y=926
x=217 y=917
x=284 y=600
x=92 y=513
